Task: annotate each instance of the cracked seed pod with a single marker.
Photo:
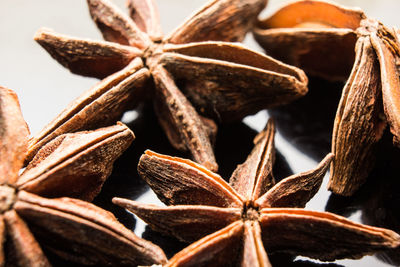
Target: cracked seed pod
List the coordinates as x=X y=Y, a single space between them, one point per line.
x=355 y=47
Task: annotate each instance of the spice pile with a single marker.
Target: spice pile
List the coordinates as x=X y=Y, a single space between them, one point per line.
x=199 y=83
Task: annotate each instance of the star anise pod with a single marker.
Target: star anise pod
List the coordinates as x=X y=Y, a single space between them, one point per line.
x=73 y=165
x=222 y=78
x=250 y=215
x=326 y=40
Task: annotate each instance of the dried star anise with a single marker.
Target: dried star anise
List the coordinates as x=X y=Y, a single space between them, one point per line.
x=326 y=40
x=221 y=78
x=250 y=215
x=73 y=165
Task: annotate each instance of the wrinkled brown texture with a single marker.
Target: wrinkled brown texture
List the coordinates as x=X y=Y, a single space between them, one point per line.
x=237 y=222
x=81 y=232
x=13 y=136
x=332 y=41
x=224 y=81
x=80 y=161
x=71 y=165
x=355 y=138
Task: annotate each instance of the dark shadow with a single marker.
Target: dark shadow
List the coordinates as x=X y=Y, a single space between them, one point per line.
x=234 y=143
x=344 y=206
x=57 y=261
x=169 y=244
x=281 y=167
x=124 y=180
x=307 y=123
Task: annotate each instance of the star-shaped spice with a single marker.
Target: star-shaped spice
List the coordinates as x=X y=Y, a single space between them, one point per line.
x=73 y=165
x=222 y=79
x=322 y=37
x=250 y=215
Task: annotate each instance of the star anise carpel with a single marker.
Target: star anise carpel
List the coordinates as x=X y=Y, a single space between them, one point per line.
x=237 y=223
x=336 y=41
x=72 y=165
x=220 y=79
